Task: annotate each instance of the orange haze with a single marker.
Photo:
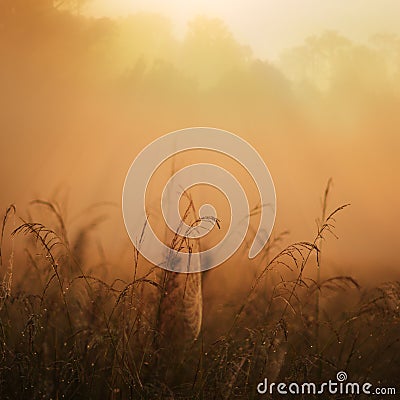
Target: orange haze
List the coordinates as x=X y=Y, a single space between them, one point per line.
x=80 y=97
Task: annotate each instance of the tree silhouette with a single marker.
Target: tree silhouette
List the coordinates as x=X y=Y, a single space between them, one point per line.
x=210 y=51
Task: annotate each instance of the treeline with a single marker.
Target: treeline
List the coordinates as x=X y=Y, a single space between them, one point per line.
x=46 y=48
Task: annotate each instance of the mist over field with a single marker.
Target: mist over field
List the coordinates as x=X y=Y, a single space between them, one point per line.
x=82 y=96
x=85 y=86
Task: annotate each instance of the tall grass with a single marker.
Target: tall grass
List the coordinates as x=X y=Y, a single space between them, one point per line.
x=68 y=332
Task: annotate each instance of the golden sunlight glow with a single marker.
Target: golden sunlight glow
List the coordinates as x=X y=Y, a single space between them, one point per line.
x=86 y=85
x=117 y=83
x=269 y=26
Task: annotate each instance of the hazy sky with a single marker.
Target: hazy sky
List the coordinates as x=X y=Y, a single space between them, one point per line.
x=271 y=25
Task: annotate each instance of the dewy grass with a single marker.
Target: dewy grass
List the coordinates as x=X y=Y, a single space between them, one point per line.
x=70 y=331
x=5 y=287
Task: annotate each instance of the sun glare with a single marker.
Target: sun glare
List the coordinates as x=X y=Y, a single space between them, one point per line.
x=268 y=26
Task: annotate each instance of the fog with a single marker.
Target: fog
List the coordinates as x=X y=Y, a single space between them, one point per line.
x=81 y=96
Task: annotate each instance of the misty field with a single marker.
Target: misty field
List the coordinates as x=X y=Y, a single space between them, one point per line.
x=84 y=316
x=73 y=332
